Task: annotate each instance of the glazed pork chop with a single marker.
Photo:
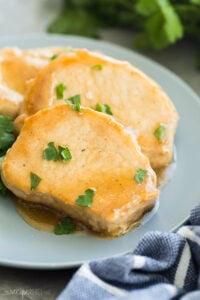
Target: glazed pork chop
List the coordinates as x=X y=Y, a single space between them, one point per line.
x=82 y=163
x=17 y=68
x=134 y=99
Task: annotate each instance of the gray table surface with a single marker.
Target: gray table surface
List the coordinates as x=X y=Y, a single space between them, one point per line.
x=38 y=284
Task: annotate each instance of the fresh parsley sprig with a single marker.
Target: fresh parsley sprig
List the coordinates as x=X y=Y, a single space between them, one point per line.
x=162 y=25
x=159 y=23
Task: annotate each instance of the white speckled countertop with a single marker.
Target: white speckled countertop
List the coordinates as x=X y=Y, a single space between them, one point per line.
x=27 y=16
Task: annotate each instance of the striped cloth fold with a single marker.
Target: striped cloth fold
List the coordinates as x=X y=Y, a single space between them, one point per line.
x=164 y=265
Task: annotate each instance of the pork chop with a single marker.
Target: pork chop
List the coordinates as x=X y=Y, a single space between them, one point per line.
x=134 y=99
x=17 y=68
x=106 y=183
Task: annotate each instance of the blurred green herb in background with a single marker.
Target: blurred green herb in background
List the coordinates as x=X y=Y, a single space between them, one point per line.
x=158 y=23
x=7 y=137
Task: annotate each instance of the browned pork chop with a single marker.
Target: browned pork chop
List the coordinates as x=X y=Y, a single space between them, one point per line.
x=134 y=99
x=107 y=167
x=17 y=68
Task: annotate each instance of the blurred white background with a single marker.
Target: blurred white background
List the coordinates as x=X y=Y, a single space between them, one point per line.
x=25 y=16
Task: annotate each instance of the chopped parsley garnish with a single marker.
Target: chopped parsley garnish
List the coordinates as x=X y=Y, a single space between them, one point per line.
x=35 y=180
x=54 y=56
x=65 y=226
x=52 y=153
x=86 y=200
x=104 y=108
x=3 y=189
x=140 y=175
x=160 y=133
x=74 y=102
x=97 y=67
x=60 y=88
x=64 y=153
x=6 y=134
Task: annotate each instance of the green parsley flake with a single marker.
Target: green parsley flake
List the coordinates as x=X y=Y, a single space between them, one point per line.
x=60 y=88
x=104 y=108
x=51 y=153
x=97 y=67
x=54 y=56
x=65 y=226
x=35 y=180
x=86 y=200
x=6 y=134
x=3 y=189
x=140 y=175
x=64 y=153
x=74 y=102
x=160 y=133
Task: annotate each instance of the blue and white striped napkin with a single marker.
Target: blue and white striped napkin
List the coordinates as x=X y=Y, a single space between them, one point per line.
x=164 y=265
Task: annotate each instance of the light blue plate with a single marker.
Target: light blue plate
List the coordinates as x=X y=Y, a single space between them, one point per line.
x=23 y=246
